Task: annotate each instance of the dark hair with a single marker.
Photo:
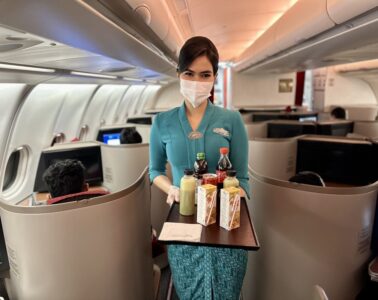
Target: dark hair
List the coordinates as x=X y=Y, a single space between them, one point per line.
x=129 y=135
x=338 y=112
x=307 y=177
x=64 y=177
x=195 y=47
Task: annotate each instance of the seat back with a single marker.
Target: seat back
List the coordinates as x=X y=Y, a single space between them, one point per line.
x=366 y=128
x=306 y=233
x=98 y=248
x=273 y=157
x=123 y=164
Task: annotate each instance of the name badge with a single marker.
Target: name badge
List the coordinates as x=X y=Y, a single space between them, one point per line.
x=221 y=131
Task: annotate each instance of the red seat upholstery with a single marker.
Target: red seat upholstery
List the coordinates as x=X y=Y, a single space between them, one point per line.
x=77 y=196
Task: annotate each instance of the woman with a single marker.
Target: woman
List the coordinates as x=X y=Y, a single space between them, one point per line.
x=177 y=136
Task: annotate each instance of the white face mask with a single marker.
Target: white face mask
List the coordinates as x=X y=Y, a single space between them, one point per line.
x=196 y=92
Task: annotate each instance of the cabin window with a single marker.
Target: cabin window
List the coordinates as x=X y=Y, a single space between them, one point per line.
x=11 y=169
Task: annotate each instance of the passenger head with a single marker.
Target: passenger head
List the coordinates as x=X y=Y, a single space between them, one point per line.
x=339 y=113
x=307 y=177
x=129 y=135
x=65 y=177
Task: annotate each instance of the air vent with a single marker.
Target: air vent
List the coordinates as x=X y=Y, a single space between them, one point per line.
x=15 y=38
x=10 y=47
x=11 y=43
x=117 y=70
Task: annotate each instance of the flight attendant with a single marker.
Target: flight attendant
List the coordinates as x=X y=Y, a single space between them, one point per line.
x=177 y=135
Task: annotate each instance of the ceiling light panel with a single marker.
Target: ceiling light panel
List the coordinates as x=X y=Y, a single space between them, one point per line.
x=234 y=26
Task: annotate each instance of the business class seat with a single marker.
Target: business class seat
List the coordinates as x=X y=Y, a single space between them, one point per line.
x=309 y=235
x=368 y=129
x=98 y=248
x=122 y=165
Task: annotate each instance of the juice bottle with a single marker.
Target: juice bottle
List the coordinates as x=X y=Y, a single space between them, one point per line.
x=200 y=168
x=224 y=164
x=231 y=180
x=187 y=193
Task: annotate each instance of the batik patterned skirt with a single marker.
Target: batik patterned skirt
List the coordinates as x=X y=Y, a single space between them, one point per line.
x=207 y=273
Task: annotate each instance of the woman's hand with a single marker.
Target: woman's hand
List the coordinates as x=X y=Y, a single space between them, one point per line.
x=173 y=195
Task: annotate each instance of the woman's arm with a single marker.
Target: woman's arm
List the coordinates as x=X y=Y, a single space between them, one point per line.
x=158 y=156
x=158 y=161
x=239 y=152
x=163 y=183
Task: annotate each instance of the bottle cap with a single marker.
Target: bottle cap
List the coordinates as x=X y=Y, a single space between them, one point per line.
x=223 y=150
x=231 y=173
x=188 y=172
x=200 y=155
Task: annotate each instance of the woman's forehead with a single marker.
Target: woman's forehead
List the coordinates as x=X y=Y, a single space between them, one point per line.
x=201 y=64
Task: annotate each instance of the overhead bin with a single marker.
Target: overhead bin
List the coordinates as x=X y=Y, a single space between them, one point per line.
x=263 y=47
x=157 y=18
x=307 y=38
x=344 y=10
x=73 y=23
x=303 y=20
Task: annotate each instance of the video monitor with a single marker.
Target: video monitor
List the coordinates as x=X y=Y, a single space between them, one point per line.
x=286 y=130
x=336 y=128
x=90 y=156
x=110 y=136
x=306 y=119
x=348 y=162
x=298 y=116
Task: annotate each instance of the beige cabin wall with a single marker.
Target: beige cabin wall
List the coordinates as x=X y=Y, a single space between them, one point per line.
x=345 y=90
x=373 y=82
x=168 y=97
x=260 y=90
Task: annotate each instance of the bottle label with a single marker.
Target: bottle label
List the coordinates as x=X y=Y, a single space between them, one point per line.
x=221 y=176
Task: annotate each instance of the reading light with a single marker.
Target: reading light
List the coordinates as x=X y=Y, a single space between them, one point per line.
x=132 y=79
x=85 y=74
x=25 y=68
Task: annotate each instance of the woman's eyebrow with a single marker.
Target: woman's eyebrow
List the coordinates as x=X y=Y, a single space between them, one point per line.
x=203 y=72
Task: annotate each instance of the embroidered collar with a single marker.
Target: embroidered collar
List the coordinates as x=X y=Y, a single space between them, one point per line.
x=204 y=122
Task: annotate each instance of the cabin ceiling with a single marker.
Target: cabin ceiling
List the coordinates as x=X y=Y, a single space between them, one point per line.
x=232 y=25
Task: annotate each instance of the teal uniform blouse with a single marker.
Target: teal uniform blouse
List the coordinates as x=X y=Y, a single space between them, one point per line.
x=170 y=140
x=202 y=272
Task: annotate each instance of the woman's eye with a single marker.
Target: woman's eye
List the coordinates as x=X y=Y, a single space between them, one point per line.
x=205 y=75
x=188 y=74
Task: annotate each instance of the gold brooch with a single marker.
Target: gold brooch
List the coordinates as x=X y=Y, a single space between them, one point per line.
x=195 y=135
